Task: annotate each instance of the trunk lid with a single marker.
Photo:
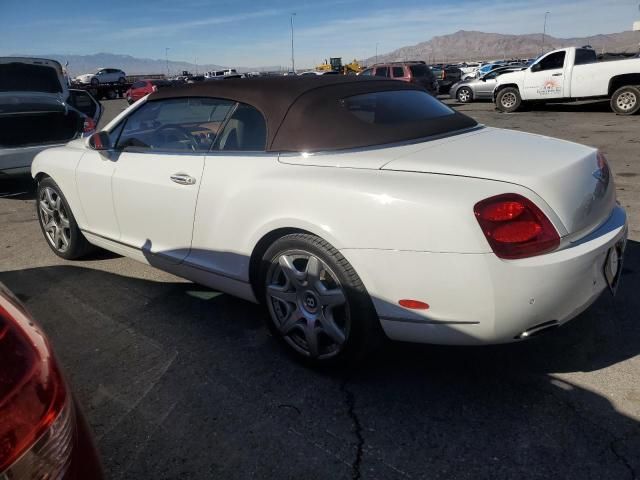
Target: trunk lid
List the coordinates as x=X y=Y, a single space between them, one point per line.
x=564 y=174
x=32 y=76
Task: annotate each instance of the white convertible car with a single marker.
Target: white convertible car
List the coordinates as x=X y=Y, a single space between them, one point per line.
x=352 y=207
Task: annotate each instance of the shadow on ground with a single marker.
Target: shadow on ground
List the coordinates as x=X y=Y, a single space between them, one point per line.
x=179 y=381
x=20 y=187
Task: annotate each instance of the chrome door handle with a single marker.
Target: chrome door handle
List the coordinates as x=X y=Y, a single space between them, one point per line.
x=556 y=75
x=183 y=179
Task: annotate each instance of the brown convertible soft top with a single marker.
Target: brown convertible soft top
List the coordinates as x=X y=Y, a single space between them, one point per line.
x=305 y=113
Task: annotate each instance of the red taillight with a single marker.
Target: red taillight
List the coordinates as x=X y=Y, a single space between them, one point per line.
x=89 y=125
x=515 y=227
x=33 y=399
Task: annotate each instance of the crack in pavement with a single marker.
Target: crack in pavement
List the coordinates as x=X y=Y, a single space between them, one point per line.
x=350 y=400
x=621 y=458
x=578 y=413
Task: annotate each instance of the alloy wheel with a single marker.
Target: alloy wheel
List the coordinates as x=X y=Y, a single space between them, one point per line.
x=463 y=95
x=307 y=304
x=54 y=219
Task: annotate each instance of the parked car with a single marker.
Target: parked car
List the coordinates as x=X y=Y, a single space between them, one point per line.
x=43 y=433
x=103 y=75
x=144 y=87
x=446 y=76
x=412 y=72
x=38 y=110
x=483 y=70
x=383 y=212
x=568 y=74
x=466 y=91
x=315 y=73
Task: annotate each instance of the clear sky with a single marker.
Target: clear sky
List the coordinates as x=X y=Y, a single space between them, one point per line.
x=256 y=32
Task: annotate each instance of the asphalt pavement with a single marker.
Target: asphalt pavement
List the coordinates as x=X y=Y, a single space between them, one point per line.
x=179 y=381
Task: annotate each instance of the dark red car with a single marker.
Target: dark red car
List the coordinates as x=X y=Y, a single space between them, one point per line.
x=42 y=431
x=142 y=88
x=414 y=72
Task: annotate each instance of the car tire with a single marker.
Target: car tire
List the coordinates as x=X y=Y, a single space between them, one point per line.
x=111 y=94
x=320 y=311
x=626 y=100
x=464 y=95
x=58 y=224
x=95 y=82
x=508 y=100
x=122 y=80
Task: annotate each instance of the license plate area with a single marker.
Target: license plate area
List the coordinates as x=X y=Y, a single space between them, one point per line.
x=613 y=265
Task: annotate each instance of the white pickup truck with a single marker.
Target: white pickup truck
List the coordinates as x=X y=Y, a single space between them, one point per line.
x=570 y=74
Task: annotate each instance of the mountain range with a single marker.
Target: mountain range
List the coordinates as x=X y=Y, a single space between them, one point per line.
x=78 y=64
x=458 y=46
x=471 y=45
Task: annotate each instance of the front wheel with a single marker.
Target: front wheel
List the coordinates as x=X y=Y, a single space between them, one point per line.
x=508 y=100
x=58 y=224
x=318 y=306
x=95 y=82
x=464 y=95
x=626 y=100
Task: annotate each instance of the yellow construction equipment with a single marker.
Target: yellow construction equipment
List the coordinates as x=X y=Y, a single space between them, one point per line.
x=335 y=65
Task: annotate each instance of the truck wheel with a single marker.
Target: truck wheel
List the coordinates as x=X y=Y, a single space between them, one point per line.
x=508 y=100
x=626 y=100
x=95 y=82
x=464 y=95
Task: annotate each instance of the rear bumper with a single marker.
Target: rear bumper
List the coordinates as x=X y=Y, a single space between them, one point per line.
x=479 y=298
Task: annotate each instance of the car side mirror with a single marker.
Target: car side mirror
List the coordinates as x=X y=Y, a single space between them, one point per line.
x=99 y=141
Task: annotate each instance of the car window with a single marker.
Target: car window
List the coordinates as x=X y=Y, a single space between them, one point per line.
x=180 y=124
x=419 y=70
x=368 y=72
x=553 y=61
x=492 y=75
x=139 y=84
x=245 y=130
x=83 y=101
x=585 y=55
x=395 y=107
x=398 y=72
x=382 y=72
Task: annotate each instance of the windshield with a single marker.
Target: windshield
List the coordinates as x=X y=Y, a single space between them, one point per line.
x=25 y=77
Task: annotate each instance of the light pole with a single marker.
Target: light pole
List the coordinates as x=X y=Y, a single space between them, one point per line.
x=293 y=61
x=544 y=30
x=376 y=52
x=166 y=57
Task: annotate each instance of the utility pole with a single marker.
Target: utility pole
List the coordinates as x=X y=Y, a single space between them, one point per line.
x=376 y=52
x=544 y=30
x=166 y=57
x=293 y=61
